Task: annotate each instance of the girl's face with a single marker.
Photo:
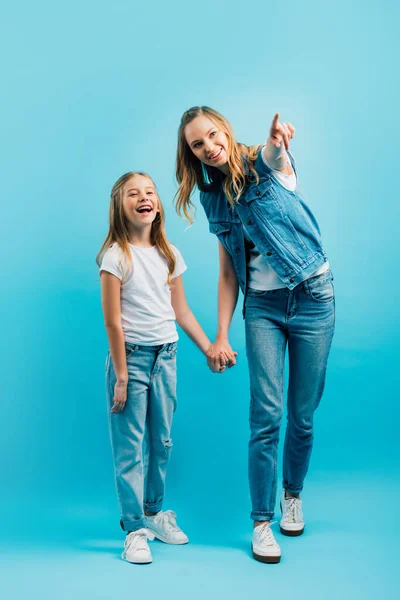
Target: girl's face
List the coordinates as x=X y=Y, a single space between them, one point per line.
x=139 y=201
x=207 y=141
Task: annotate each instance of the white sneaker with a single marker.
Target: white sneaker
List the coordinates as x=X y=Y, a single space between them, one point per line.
x=264 y=546
x=136 y=548
x=292 y=516
x=163 y=526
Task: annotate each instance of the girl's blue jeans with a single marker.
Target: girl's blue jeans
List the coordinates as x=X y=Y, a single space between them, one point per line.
x=141 y=434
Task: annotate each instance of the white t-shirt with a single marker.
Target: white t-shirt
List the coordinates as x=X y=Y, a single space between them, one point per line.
x=261 y=275
x=147 y=316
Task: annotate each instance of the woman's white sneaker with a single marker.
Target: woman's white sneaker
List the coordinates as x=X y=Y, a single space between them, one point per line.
x=292 y=516
x=164 y=527
x=136 y=548
x=264 y=546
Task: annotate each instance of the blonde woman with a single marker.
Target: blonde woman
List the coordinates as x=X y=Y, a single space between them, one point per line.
x=270 y=248
x=142 y=295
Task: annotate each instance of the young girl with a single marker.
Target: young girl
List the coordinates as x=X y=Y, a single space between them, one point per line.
x=142 y=295
x=270 y=247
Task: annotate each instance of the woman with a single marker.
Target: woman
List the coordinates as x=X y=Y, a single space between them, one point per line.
x=270 y=247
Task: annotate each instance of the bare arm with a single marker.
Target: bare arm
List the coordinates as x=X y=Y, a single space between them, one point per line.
x=111 y=303
x=277 y=143
x=228 y=290
x=185 y=317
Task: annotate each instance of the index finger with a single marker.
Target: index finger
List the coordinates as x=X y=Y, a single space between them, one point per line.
x=275 y=121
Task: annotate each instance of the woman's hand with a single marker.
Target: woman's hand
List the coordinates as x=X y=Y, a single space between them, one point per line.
x=119 y=398
x=220 y=355
x=281 y=132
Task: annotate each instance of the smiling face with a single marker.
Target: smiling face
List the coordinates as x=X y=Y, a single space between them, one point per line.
x=208 y=142
x=139 y=201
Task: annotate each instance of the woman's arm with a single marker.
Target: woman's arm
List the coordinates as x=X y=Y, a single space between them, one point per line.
x=111 y=303
x=228 y=290
x=274 y=152
x=185 y=317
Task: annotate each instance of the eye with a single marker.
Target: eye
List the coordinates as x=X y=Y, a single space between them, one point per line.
x=213 y=133
x=150 y=193
x=133 y=194
x=197 y=145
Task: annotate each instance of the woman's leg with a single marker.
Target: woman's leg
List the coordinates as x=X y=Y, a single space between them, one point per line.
x=162 y=404
x=126 y=434
x=311 y=328
x=266 y=338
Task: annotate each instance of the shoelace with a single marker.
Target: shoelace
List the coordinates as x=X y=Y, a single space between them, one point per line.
x=138 y=539
x=292 y=510
x=168 y=518
x=266 y=536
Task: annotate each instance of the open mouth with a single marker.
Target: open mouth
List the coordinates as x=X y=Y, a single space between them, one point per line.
x=215 y=156
x=144 y=209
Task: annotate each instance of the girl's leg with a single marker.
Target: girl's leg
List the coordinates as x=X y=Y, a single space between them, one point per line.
x=311 y=328
x=265 y=343
x=126 y=434
x=162 y=404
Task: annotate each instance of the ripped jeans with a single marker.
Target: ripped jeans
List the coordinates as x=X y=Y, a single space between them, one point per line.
x=140 y=434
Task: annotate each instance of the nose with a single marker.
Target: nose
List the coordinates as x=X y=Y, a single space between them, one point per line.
x=209 y=146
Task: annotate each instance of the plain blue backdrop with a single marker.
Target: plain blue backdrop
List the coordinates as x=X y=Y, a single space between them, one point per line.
x=94 y=89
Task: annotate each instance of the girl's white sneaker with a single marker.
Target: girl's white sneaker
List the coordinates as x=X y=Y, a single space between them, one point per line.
x=136 y=548
x=264 y=546
x=164 y=527
x=292 y=516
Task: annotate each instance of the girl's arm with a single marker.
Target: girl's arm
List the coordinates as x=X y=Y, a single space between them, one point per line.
x=189 y=323
x=111 y=303
x=185 y=317
x=274 y=152
x=228 y=290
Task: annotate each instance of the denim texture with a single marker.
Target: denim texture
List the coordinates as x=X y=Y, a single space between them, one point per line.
x=279 y=222
x=303 y=320
x=141 y=434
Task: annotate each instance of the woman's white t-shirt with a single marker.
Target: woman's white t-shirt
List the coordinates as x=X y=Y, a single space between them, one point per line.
x=147 y=316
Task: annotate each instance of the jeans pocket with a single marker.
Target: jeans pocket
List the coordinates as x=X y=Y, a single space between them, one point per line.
x=321 y=288
x=130 y=349
x=253 y=293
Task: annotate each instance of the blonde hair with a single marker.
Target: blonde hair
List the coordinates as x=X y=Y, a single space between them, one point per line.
x=190 y=171
x=118 y=231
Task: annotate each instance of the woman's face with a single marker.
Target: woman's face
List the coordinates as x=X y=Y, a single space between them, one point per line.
x=207 y=141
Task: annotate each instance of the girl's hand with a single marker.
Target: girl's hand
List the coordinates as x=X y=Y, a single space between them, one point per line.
x=281 y=132
x=119 y=397
x=220 y=355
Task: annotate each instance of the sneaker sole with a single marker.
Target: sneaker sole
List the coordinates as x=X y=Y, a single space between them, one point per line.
x=271 y=560
x=158 y=536
x=291 y=533
x=138 y=562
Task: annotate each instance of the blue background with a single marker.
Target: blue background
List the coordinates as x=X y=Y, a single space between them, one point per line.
x=92 y=90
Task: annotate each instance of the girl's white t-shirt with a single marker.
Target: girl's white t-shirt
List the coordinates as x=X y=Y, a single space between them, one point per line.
x=147 y=316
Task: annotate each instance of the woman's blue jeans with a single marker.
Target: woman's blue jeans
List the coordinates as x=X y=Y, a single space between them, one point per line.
x=302 y=319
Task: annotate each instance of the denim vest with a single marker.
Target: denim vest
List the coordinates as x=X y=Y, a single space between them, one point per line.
x=279 y=222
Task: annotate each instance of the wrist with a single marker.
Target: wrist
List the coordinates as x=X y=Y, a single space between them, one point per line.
x=122 y=379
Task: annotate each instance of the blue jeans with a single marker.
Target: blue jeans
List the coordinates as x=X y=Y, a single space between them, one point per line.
x=302 y=319
x=140 y=434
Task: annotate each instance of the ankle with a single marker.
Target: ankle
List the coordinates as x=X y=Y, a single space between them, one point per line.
x=257 y=523
x=292 y=495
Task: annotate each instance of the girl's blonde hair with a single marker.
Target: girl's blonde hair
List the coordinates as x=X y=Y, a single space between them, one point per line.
x=190 y=171
x=118 y=232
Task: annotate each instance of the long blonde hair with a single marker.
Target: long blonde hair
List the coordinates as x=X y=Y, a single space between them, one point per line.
x=118 y=231
x=190 y=171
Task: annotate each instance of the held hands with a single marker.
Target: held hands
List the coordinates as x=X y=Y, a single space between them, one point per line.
x=119 y=398
x=281 y=133
x=220 y=356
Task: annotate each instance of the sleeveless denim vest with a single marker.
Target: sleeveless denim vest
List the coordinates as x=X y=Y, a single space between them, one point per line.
x=279 y=222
